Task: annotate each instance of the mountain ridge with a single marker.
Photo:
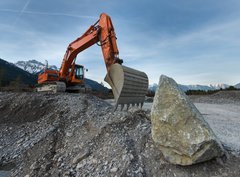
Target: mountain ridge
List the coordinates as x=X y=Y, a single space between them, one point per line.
x=33 y=66
x=153 y=87
x=10 y=73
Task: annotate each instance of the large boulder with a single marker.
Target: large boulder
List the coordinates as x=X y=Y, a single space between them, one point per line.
x=179 y=129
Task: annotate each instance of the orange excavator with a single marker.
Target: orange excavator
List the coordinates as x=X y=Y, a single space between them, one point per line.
x=129 y=86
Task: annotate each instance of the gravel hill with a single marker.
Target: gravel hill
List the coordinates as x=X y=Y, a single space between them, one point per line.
x=79 y=135
x=221 y=97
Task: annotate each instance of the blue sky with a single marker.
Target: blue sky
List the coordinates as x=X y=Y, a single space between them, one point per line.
x=193 y=41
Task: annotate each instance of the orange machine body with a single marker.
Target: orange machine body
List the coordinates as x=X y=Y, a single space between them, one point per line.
x=102 y=31
x=48 y=75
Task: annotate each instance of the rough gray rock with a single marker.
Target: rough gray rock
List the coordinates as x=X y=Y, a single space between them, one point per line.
x=179 y=129
x=83 y=154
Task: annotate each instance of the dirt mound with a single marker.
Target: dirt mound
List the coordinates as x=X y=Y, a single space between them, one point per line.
x=231 y=95
x=221 y=97
x=80 y=135
x=18 y=108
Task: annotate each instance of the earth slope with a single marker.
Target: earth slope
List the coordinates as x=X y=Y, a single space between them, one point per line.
x=80 y=135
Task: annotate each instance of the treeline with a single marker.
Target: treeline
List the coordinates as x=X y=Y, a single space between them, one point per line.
x=12 y=77
x=207 y=92
x=201 y=92
x=151 y=93
x=8 y=78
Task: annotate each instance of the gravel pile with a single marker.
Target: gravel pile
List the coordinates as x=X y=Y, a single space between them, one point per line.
x=80 y=135
x=221 y=97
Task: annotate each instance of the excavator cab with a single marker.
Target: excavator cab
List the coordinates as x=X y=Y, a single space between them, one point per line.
x=75 y=82
x=76 y=75
x=79 y=72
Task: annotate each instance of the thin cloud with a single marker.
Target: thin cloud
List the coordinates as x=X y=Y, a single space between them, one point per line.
x=48 y=13
x=21 y=12
x=61 y=14
x=9 y=10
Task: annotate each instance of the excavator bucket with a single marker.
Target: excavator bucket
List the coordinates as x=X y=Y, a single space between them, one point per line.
x=129 y=86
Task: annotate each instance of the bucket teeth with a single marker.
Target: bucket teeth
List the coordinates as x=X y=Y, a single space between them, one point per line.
x=122 y=106
x=127 y=106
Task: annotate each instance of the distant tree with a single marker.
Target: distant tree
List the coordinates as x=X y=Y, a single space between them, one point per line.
x=150 y=93
x=200 y=92
x=231 y=88
x=2 y=73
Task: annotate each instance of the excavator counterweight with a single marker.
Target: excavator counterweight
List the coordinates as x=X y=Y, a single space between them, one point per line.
x=129 y=86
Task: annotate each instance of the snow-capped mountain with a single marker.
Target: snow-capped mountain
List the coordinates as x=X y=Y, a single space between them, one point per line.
x=33 y=66
x=196 y=87
x=237 y=86
x=219 y=86
x=154 y=86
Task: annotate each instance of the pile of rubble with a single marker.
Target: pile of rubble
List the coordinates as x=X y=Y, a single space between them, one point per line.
x=80 y=135
x=221 y=97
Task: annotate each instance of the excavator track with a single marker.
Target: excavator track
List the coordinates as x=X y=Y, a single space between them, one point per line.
x=129 y=86
x=52 y=86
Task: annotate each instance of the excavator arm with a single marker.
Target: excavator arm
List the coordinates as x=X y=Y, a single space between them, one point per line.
x=86 y=40
x=102 y=31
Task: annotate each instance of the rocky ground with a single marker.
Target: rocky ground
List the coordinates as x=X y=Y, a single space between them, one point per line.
x=80 y=135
